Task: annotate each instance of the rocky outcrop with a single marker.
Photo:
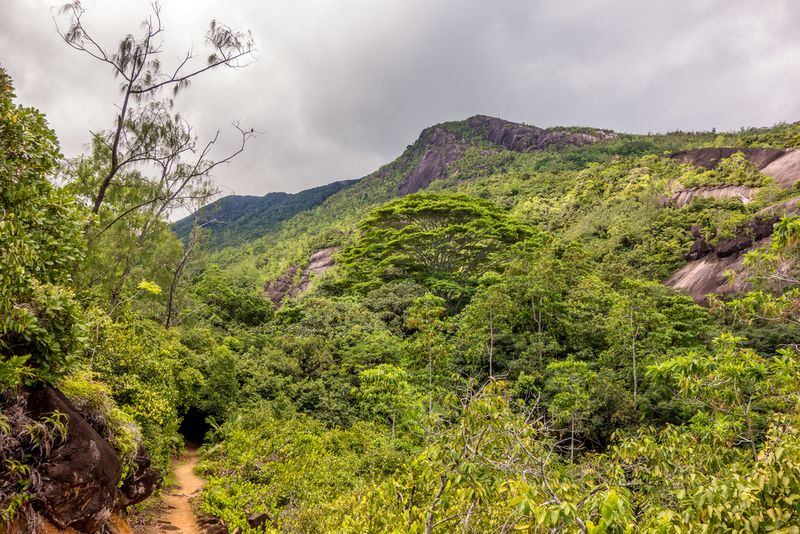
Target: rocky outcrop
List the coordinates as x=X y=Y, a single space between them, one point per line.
x=441 y=147
x=443 y=150
x=524 y=138
x=708 y=275
x=709 y=265
x=711 y=157
x=781 y=165
x=288 y=285
x=283 y=286
x=683 y=197
x=785 y=169
x=74 y=472
x=139 y=484
x=80 y=476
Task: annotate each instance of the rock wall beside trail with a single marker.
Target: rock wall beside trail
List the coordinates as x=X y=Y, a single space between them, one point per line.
x=74 y=472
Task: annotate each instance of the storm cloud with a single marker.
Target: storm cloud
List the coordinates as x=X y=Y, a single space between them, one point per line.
x=338 y=88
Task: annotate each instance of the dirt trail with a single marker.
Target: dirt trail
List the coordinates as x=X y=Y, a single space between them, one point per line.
x=179 y=517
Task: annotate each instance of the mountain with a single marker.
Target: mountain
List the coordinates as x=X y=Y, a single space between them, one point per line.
x=696 y=176
x=236 y=218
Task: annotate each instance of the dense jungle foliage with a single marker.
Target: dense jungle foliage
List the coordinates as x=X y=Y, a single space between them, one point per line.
x=496 y=353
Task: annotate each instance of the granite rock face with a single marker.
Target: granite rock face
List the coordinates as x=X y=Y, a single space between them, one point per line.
x=523 y=138
x=79 y=477
x=288 y=285
x=708 y=264
x=441 y=148
x=683 y=197
x=444 y=148
x=781 y=165
x=710 y=157
x=75 y=473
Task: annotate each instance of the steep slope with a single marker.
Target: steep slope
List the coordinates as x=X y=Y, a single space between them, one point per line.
x=443 y=146
x=234 y=219
x=237 y=219
x=443 y=153
x=602 y=189
x=708 y=270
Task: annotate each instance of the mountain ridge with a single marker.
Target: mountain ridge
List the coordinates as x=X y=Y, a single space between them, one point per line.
x=234 y=219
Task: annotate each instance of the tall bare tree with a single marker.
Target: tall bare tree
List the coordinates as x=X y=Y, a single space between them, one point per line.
x=145 y=131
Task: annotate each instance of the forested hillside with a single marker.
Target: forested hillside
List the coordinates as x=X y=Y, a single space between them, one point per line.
x=234 y=219
x=476 y=337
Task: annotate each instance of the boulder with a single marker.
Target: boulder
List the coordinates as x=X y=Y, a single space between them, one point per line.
x=256 y=520
x=79 y=478
x=139 y=484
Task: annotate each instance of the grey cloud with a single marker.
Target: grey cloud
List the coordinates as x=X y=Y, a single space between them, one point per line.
x=338 y=88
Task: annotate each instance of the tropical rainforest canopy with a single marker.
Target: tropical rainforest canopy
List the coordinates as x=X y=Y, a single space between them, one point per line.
x=494 y=353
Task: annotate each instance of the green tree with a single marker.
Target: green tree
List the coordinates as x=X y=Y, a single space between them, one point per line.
x=445 y=242
x=41 y=324
x=485 y=329
x=426 y=317
x=385 y=392
x=145 y=130
x=571 y=385
x=150 y=162
x=732 y=390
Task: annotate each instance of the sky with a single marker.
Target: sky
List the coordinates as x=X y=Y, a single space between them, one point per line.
x=337 y=88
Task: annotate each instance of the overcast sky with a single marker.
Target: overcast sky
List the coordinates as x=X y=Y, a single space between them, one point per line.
x=339 y=87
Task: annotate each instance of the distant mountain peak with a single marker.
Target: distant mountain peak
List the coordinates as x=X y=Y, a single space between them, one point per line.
x=446 y=143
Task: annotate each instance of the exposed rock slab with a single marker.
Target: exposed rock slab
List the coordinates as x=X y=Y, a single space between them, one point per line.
x=524 y=138
x=786 y=169
x=443 y=150
x=707 y=275
x=711 y=157
x=288 y=285
x=706 y=271
x=684 y=196
x=781 y=165
x=441 y=147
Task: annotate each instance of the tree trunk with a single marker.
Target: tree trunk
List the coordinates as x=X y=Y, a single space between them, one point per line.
x=572 y=440
x=491 y=344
